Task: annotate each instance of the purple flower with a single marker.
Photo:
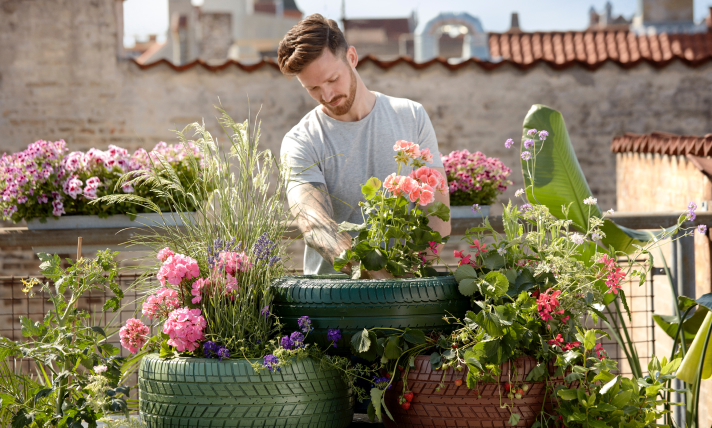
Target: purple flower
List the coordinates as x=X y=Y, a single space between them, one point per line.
x=525 y=207
x=305 y=324
x=528 y=143
x=286 y=343
x=297 y=339
x=208 y=348
x=526 y=155
x=265 y=310
x=381 y=383
x=333 y=336
x=508 y=144
x=691 y=211
x=543 y=135
x=270 y=361
x=531 y=131
x=475 y=208
x=264 y=247
x=223 y=353
x=702 y=228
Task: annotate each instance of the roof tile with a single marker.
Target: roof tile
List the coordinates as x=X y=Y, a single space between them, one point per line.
x=663 y=143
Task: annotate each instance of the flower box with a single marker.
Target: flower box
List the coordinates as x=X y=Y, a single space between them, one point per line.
x=114 y=221
x=465 y=211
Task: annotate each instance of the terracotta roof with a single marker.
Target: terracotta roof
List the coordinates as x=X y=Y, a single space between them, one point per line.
x=663 y=143
x=587 y=49
x=593 y=48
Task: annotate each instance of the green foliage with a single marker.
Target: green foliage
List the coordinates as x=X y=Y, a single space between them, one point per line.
x=595 y=397
x=66 y=347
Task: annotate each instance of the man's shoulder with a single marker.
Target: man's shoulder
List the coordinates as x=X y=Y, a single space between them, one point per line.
x=402 y=105
x=305 y=128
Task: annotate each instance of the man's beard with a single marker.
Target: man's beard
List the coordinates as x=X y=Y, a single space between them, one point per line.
x=346 y=105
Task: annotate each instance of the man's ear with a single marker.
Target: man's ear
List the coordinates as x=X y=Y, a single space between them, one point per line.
x=351 y=56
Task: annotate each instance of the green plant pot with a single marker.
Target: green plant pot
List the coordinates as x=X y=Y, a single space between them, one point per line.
x=199 y=392
x=336 y=301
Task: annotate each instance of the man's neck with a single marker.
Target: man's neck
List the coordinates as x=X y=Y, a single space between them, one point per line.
x=364 y=101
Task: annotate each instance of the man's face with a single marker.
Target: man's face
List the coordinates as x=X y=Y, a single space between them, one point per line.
x=331 y=80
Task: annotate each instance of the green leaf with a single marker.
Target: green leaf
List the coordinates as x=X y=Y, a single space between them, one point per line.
x=690 y=326
x=371 y=411
x=495 y=285
x=435 y=361
x=30 y=329
x=414 y=336
x=595 y=423
x=589 y=341
x=494 y=261
x=376 y=395
x=605 y=388
x=514 y=419
x=652 y=391
x=345 y=226
x=393 y=350
x=568 y=394
x=396 y=268
x=370 y=188
x=684 y=303
x=41 y=394
x=374 y=260
x=559 y=179
x=439 y=210
x=166 y=351
x=705 y=300
x=622 y=399
x=671 y=367
x=467 y=287
x=98 y=330
x=537 y=374
x=465 y=272
x=361 y=341
x=490 y=323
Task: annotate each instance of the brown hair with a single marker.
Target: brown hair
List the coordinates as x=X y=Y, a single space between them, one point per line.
x=307 y=40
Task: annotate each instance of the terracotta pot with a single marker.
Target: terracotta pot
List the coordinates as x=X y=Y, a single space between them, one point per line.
x=458 y=406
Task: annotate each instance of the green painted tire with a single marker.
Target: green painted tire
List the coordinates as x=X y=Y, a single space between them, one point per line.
x=199 y=392
x=335 y=301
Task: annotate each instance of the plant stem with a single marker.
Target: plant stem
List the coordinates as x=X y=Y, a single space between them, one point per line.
x=694 y=422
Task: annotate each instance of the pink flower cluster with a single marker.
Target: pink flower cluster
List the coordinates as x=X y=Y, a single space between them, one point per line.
x=164 y=254
x=197 y=289
x=176 y=268
x=233 y=262
x=185 y=328
x=614 y=274
x=161 y=304
x=419 y=186
x=559 y=341
x=133 y=335
x=547 y=302
x=470 y=174
x=45 y=168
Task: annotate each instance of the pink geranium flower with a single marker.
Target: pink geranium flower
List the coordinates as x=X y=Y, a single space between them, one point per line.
x=133 y=335
x=185 y=328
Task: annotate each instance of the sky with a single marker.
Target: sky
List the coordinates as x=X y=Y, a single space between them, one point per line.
x=144 y=17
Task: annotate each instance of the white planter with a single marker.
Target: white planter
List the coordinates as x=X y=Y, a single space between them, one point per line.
x=466 y=211
x=114 y=221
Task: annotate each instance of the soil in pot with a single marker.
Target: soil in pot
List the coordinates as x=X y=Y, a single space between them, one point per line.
x=336 y=301
x=459 y=406
x=202 y=392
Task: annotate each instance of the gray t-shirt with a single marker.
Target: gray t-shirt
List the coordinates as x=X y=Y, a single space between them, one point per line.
x=343 y=155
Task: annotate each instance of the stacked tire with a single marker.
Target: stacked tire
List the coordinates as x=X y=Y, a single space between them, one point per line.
x=186 y=392
x=335 y=301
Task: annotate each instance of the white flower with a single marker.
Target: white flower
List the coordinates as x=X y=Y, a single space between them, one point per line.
x=501 y=251
x=596 y=236
x=610 y=211
x=590 y=200
x=519 y=193
x=576 y=238
x=100 y=369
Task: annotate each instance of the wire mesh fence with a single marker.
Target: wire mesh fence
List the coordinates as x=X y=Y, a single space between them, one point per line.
x=14 y=304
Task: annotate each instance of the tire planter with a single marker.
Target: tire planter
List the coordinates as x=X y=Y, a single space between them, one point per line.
x=199 y=392
x=459 y=406
x=336 y=301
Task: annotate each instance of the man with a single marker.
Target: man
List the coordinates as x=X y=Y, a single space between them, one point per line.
x=343 y=142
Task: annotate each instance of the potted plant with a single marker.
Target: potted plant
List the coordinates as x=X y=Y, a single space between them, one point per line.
x=395 y=236
x=534 y=290
x=52 y=189
x=79 y=374
x=219 y=355
x=474 y=181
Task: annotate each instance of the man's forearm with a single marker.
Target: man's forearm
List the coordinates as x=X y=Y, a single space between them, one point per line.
x=315 y=218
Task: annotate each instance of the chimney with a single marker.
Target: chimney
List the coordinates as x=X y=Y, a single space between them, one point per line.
x=666 y=11
x=119 y=15
x=609 y=13
x=593 y=18
x=708 y=20
x=514 y=26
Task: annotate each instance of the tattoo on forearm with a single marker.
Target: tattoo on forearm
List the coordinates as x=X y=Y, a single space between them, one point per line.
x=311 y=205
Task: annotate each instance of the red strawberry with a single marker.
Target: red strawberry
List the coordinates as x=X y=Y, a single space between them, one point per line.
x=454 y=346
x=388 y=375
x=520 y=391
x=408 y=396
x=508 y=386
x=400 y=368
x=406 y=405
x=458 y=382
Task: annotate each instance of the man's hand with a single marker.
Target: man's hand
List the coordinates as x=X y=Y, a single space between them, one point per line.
x=311 y=206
